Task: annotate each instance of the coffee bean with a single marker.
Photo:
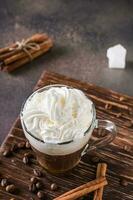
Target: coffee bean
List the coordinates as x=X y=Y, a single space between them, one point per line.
x=10 y=188
x=12 y=199
x=38 y=185
x=124 y=182
x=21 y=145
x=41 y=195
x=4 y=182
x=37 y=172
x=14 y=147
x=53 y=186
x=32 y=188
x=27 y=145
x=34 y=180
x=95 y=159
x=7 y=152
x=25 y=160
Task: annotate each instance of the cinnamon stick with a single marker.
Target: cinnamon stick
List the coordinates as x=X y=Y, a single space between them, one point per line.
x=83 y=189
x=22 y=54
x=6 y=52
x=38 y=38
x=44 y=47
x=101 y=172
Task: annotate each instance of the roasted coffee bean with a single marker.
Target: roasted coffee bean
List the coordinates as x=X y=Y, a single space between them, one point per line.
x=25 y=160
x=27 y=145
x=38 y=185
x=37 y=172
x=12 y=199
x=7 y=152
x=10 y=188
x=4 y=182
x=32 y=188
x=34 y=180
x=14 y=147
x=53 y=186
x=124 y=182
x=41 y=195
x=21 y=145
x=95 y=159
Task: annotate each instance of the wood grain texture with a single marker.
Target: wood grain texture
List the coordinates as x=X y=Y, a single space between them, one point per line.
x=119 y=154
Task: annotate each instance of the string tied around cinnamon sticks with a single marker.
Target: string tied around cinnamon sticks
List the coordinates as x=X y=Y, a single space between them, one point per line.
x=25 y=45
x=20 y=53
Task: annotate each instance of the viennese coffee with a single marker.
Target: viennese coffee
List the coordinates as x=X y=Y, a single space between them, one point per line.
x=57 y=121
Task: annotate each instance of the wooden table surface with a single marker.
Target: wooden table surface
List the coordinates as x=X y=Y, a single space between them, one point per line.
x=118 y=155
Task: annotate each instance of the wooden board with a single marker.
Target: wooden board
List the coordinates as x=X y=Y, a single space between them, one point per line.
x=118 y=155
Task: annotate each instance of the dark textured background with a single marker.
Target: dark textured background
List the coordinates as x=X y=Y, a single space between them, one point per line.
x=82 y=30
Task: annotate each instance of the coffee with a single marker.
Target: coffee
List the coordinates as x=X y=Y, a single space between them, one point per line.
x=56 y=121
x=58 y=163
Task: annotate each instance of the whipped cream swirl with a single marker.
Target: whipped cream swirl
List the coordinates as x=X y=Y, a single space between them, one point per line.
x=57 y=115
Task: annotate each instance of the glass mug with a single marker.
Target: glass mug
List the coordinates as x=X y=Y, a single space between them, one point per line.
x=61 y=157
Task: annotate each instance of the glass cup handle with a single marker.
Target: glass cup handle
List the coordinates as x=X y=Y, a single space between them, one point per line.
x=107 y=125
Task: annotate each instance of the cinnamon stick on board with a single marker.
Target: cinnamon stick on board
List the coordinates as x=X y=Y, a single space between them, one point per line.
x=83 y=189
x=44 y=47
x=101 y=172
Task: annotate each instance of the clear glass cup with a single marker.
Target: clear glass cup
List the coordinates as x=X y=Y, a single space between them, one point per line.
x=61 y=157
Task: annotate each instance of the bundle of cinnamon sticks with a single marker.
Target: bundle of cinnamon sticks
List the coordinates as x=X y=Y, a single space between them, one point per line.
x=20 y=53
x=95 y=185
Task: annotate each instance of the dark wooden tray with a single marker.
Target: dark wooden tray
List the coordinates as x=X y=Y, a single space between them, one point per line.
x=119 y=154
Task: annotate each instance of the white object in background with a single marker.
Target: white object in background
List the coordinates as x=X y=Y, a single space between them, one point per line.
x=117 y=57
